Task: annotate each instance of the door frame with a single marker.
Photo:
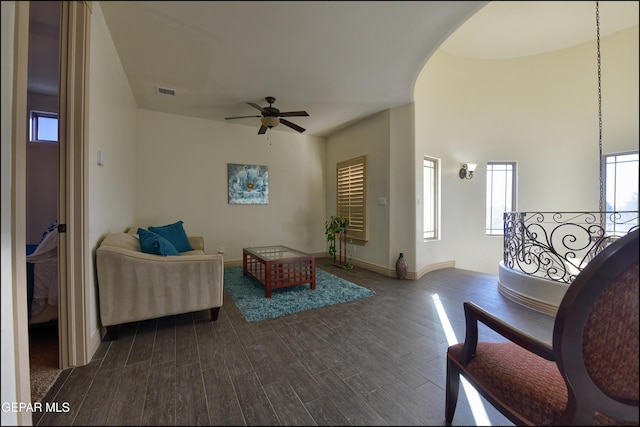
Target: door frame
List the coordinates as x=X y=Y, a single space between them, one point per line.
x=18 y=208
x=73 y=197
x=73 y=251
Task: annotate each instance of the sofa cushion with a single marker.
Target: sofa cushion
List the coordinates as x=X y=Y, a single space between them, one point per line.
x=123 y=240
x=152 y=243
x=175 y=234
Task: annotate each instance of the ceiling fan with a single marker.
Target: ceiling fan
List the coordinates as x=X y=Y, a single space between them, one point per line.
x=272 y=117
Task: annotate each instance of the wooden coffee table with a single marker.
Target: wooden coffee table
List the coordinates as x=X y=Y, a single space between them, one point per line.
x=278 y=267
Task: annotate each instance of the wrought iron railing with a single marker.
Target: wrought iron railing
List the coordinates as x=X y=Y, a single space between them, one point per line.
x=558 y=245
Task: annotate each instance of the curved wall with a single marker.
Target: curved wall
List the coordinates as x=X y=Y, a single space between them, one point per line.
x=534 y=292
x=539 y=111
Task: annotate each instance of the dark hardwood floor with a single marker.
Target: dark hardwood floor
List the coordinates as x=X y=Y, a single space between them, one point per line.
x=375 y=361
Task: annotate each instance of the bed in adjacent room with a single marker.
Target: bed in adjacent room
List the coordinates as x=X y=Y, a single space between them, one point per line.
x=42 y=277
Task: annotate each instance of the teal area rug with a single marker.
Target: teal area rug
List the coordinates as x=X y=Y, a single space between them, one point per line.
x=248 y=294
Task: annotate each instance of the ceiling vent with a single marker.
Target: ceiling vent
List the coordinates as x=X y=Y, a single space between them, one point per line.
x=166 y=91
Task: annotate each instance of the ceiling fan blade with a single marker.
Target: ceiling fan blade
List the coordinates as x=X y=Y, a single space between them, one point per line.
x=293 y=113
x=256 y=106
x=292 y=125
x=263 y=129
x=239 y=117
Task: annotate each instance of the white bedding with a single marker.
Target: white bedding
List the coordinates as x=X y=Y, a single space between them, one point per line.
x=45 y=275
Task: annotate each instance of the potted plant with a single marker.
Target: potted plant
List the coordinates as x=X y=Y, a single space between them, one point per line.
x=335 y=224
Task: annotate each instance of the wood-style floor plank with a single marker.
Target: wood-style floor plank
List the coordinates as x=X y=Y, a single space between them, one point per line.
x=129 y=396
x=374 y=361
x=222 y=402
x=160 y=397
x=97 y=403
x=191 y=401
x=287 y=405
x=71 y=393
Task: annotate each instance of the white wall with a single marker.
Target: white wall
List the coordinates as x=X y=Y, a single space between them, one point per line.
x=540 y=111
x=402 y=188
x=387 y=139
x=182 y=175
x=368 y=137
x=42 y=174
x=112 y=129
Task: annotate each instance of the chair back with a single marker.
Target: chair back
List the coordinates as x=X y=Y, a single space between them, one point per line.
x=596 y=337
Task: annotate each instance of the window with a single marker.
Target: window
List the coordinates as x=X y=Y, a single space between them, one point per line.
x=352 y=196
x=501 y=195
x=430 y=197
x=44 y=126
x=621 y=190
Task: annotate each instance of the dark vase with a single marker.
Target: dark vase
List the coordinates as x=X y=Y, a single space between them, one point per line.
x=401 y=266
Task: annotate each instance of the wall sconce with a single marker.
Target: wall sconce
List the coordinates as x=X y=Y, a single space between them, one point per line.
x=466 y=171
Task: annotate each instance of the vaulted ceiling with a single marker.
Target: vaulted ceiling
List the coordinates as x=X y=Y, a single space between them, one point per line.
x=338 y=60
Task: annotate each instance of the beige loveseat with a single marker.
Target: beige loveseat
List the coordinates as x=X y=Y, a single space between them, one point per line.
x=135 y=286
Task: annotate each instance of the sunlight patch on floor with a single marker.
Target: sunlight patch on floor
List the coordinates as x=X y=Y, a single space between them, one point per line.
x=477 y=407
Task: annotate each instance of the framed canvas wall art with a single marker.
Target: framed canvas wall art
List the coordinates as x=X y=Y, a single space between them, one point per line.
x=248 y=184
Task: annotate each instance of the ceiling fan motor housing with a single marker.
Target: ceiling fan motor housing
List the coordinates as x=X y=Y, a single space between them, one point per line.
x=271 y=111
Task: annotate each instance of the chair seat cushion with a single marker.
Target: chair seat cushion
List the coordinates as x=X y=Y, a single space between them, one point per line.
x=519 y=379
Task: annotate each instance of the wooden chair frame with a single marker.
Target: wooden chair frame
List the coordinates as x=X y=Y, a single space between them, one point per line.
x=585 y=398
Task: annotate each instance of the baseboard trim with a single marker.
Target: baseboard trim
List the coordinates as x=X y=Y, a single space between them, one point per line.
x=94 y=342
x=532 y=303
x=436 y=266
x=237 y=263
x=411 y=275
x=378 y=269
x=531 y=291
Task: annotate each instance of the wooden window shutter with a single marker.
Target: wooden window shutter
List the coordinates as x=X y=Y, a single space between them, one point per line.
x=352 y=196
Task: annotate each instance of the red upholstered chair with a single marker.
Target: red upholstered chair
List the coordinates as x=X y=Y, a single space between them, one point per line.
x=588 y=375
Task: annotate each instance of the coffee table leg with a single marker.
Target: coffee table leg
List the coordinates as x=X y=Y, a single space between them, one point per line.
x=313 y=273
x=244 y=263
x=267 y=280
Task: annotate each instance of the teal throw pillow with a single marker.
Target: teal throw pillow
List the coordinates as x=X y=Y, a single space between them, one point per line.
x=175 y=234
x=152 y=243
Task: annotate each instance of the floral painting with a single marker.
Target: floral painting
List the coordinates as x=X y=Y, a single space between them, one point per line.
x=248 y=184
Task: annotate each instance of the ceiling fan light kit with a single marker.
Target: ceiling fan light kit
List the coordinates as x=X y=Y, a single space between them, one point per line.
x=270 y=121
x=271 y=116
